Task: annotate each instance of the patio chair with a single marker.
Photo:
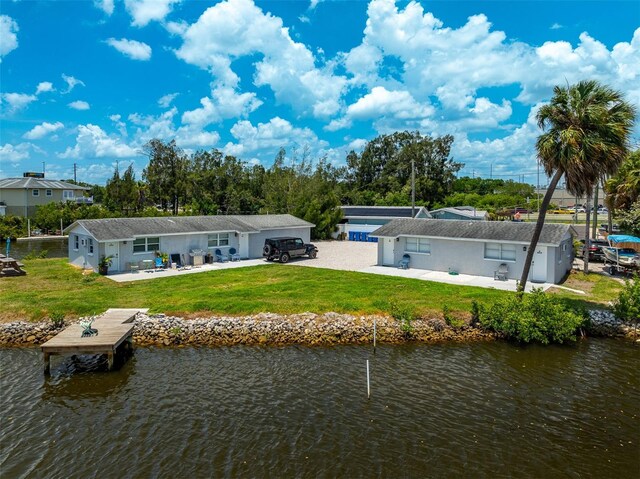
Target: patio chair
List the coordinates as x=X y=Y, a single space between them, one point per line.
x=158 y=264
x=219 y=257
x=233 y=255
x=134 y=266
x=404 y=262
x=501 y=273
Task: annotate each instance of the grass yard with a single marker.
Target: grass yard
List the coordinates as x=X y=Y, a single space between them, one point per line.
x=52 y=285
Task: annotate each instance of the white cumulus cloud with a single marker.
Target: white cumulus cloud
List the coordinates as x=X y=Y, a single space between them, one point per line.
x=93 y=142
x=133 y=49
x=42 y=130
x=79 y=105
x=107 y=6
x=224 y=103
x=8 y=35
x=71 y=82
x=166 y=100
x=15 y=153
x=144 y=11
x=43 y=87
x=238 y=28
x=17 y=101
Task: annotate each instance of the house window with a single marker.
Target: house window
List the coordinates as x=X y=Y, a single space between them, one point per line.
x=67 y=194
x=418 y=245
x=35 y=192
x=76 y=242
x=218 y=239
x=503 y=252
x=90 y=246
x=49 y=193
x=146 y=245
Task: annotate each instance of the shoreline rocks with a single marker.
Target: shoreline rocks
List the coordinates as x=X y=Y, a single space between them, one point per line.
x=274 y=329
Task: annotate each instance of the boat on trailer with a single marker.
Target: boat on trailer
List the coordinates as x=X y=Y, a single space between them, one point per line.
x=623 y=252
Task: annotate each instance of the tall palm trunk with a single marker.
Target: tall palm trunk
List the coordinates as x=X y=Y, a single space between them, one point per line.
x=542 y=213
x=587 y=238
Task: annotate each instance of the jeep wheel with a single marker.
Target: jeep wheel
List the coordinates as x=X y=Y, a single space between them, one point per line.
x=267 y=250
x=313 y=254
x=284 y=258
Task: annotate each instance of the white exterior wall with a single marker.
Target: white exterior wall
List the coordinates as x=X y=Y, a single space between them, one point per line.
x=81 y=257
x=467 y=257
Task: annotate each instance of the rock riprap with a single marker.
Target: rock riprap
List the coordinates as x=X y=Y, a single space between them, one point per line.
x=269 y=328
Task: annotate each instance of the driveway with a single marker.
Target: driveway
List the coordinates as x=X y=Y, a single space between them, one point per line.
x=343 y=255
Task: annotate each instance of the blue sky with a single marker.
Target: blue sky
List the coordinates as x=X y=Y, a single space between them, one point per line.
x=90 y=82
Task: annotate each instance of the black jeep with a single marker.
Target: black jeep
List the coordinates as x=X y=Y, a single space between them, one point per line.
x=285 y=248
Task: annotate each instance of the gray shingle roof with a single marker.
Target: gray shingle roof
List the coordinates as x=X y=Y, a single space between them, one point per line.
x=129 y=228
x=21 y=183
x=552 y=234
x=380 y=211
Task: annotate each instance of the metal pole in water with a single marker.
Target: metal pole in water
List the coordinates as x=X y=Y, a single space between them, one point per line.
x=374 y=336
x=368 y=384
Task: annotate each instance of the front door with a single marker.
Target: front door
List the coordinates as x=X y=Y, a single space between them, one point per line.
x=539 y=265
x=244 y=245
x=388 y=252
x=112 y=249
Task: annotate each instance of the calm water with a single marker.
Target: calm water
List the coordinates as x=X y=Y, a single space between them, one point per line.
x=485 y=410
x=55 y=247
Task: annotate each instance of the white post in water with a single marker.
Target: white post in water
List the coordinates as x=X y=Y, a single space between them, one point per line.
x=374 y=336
x=368 y=384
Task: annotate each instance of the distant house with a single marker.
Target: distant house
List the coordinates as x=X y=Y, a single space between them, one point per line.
x=134 y=240
x=476 y=247
x=459 y=213
x=21 y=196
x=358 y=221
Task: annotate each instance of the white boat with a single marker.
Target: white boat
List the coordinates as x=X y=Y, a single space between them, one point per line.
x=624 y=251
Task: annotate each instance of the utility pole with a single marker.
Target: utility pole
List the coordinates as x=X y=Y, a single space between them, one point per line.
x=491 y=172
x=74 y=173
x=43 y=167
x=413 y=188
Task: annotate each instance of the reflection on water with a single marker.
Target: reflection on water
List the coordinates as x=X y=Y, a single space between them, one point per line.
x=482 y=410
x=55 y=247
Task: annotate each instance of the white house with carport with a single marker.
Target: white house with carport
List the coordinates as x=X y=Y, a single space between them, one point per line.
x=479 y=248
x=358 y=221
x=133 y=241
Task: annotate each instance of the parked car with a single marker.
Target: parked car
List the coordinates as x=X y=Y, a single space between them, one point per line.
x=523 y=211
x=595 y=250
x=561 y=211
x=285 y=248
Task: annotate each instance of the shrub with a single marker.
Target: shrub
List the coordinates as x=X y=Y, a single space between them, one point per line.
x=534 y=317
x=404 y=315
x=627 y=305
x=57 y=319
x=450 y=319
x=475 y=313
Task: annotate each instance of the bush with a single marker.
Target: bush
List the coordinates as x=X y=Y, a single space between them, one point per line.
x=627 y=306
x=57 y=319
x=404 y=315
x=535 y=317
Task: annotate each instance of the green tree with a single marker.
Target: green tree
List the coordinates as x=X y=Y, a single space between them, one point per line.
x=166 y=174
x=587 y=127
x=623 y=189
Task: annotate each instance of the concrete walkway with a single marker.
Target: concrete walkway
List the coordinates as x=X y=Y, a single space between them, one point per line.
x=165 y=273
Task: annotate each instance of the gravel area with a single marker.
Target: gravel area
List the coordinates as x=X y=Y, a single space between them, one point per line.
x=342 y=255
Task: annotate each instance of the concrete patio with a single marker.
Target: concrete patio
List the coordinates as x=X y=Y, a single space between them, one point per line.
x=144 y=274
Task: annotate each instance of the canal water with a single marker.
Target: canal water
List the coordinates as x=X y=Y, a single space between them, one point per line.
x=480 y=410
x=54 y=247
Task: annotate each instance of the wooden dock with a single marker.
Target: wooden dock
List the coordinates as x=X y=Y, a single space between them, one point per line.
x=115 y=327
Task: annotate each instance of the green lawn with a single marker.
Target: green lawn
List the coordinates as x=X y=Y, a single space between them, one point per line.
x=52 y=285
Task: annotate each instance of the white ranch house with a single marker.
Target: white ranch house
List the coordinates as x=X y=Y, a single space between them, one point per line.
x=132 y=241
x=480 y=248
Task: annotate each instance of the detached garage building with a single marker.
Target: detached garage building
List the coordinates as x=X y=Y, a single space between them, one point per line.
x=358 y=221
x=478 y=248
x=133 y=240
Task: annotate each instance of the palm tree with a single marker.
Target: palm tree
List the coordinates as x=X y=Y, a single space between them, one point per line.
x=587 y=128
